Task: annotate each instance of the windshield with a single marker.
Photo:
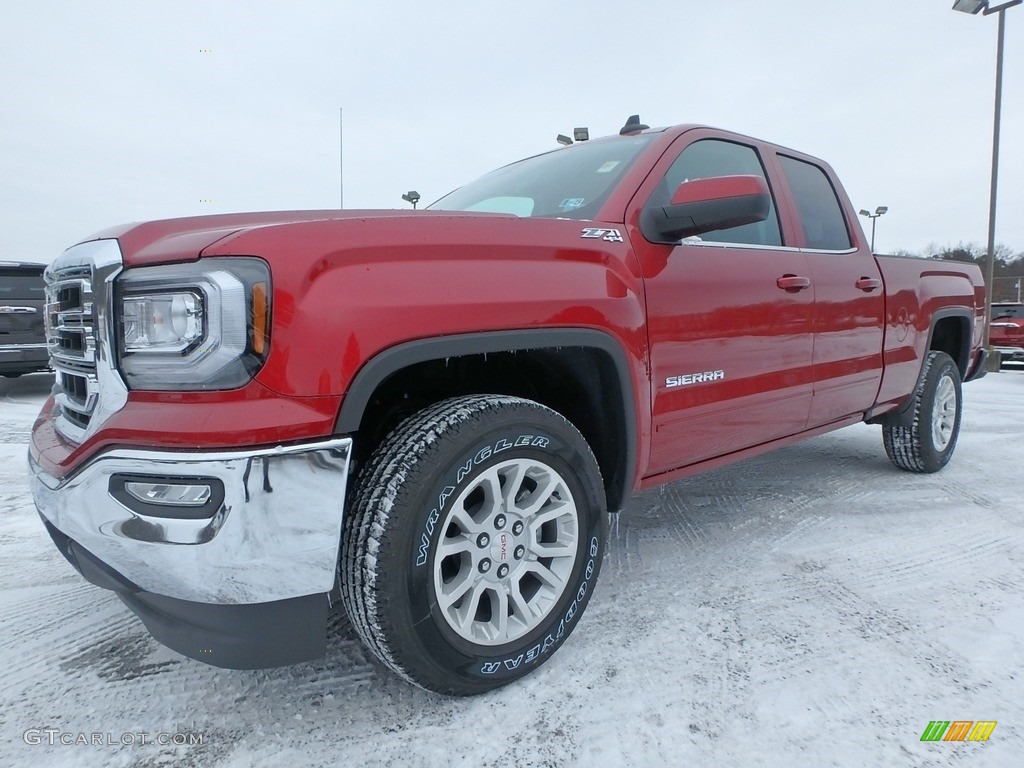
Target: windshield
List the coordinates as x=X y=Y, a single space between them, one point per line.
x=569 y=183
x=20 y=285
x=1013 y=310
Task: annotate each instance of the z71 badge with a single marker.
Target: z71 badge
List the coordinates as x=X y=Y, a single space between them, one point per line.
x=595 y=233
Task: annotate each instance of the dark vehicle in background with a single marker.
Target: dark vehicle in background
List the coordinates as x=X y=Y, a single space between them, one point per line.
x=1006 y=332
x=22 y=311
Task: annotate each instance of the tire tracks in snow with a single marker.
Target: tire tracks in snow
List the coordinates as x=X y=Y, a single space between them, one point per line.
x=759 y=634
x=43 y=623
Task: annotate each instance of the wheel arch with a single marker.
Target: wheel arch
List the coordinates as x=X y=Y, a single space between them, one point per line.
x=949 y=332
x=581 y=373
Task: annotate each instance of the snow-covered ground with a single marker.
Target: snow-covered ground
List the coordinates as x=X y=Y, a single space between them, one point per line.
x=813 y=607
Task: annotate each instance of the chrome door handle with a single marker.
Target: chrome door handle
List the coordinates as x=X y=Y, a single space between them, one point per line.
x=868 y=284
x=793 y=283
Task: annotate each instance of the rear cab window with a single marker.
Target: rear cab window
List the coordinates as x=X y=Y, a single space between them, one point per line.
x=1013 y=310
x=821 y=214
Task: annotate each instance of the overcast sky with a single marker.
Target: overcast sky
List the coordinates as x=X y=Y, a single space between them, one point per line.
x=122 y=111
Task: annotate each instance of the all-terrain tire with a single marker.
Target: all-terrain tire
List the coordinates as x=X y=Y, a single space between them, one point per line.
x=473 y=542
x=928 y=443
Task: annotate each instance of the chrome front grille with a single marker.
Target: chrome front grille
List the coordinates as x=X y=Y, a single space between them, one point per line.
x=71 y=336
x=87 y=387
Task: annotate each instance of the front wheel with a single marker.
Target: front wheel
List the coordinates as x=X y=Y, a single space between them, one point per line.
x=474 y=542
x=927 y=444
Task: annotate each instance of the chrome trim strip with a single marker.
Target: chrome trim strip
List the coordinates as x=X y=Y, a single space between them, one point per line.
x=18 y=310
x=756 y=247
x=276 y=535
x=16 y=347
x=1010 y=353
x=841 y=252
x=741 y=246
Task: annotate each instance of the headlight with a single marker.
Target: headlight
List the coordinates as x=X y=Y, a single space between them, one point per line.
x=201 y=325
x=162 y=321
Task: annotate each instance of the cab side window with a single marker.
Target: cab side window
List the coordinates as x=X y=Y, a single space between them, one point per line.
x=708 y=158
x=816 y=201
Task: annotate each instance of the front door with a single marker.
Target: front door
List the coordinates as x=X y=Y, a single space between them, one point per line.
x=730 y=318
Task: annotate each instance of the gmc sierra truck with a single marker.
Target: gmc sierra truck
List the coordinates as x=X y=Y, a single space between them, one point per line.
x=425 y=416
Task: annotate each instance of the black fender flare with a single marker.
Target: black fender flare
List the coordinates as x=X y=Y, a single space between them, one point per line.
x=963 y=357
x=393 y=359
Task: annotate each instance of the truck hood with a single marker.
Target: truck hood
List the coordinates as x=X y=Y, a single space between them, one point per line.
x=184 y=239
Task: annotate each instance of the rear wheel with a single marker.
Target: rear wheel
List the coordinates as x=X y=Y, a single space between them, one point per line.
x=474 y=542
x=927 y=444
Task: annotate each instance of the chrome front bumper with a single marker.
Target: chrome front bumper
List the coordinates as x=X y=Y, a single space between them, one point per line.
x=275 y=535
x=1013 y=354
x=23 y=358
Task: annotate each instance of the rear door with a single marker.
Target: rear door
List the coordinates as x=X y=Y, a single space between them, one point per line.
x=730 y=344
x=849 y=302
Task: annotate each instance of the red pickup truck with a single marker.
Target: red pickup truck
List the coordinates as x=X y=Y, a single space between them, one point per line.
x=425 y=416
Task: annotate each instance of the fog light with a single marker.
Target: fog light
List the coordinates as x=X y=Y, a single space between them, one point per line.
x=181 y=498
x=164 y=493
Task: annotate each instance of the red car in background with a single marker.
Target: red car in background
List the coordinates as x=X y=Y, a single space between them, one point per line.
x=1006 y=332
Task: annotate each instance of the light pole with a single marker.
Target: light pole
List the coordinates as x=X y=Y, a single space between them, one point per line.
x=878 y=212
x=341 y=158
x=973 y=7
x=412 y=196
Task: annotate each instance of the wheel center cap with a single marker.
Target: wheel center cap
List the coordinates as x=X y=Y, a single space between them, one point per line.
x=501 y=547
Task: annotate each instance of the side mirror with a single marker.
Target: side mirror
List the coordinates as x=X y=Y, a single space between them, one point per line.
x=705 y=205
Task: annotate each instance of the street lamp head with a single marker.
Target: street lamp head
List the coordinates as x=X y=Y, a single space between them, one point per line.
x=970 y=6
x=412 y=196
x=864 y=213
x=581 y=134
x=564 y=140
x=881 y=209
x=973 y=7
